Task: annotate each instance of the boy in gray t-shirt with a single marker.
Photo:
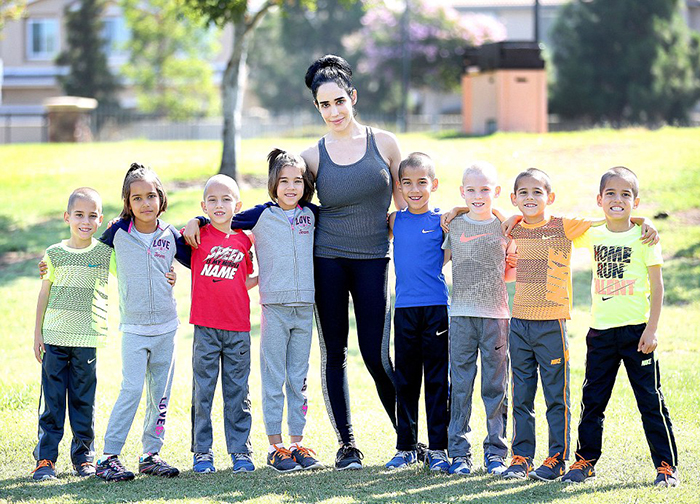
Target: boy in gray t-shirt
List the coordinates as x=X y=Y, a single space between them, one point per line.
x=479 y=320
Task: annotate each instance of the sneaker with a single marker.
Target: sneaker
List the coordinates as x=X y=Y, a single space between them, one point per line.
x=84 y=470
x=348 y=458
x=552 y=468
x=461 y=465
x=402 y=459
x=580 y=471
x=303 y=457
x=204 y=462
x=519 y=468
x=111 y=469
x=155 y=466
x=242 y=462
x=494 y=464
x=436 y=460
x=44 y=470
x=281 y=461
x=667 y=477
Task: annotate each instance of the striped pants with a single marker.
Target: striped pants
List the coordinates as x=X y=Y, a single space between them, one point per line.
x=605 y=350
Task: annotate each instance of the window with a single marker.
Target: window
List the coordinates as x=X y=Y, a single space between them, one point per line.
x=115 y=34
x=42 y=39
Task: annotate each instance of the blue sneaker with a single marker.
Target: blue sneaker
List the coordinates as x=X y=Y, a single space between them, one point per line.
x=402 y=459
x=461 y=465
x=437 y=461
x=204 y=462
x=494 y=464
x=242 y=462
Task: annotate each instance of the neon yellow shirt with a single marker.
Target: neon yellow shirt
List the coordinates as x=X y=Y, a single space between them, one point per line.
x=620 y=288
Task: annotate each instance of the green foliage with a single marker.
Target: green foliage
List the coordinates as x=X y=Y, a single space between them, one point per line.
x=89 y=74
x=288 y=41
x=165 y=61
x=222 y=12
x=11 y=10
x=628 y=61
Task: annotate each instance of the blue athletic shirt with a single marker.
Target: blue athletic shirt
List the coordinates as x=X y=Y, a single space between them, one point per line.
x=418 y=258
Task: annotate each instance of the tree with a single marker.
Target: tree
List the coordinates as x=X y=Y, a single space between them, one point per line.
x=89 y=74
x=628 y=61
x=245 y=16
x=436 y=37
x=286 y=43
x=165 y=59
x=11 y=10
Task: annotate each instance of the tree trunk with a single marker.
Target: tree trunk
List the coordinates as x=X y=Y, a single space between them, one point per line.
x=232 y=89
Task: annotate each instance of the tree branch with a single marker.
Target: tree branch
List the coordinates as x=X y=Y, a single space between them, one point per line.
x=257 y=17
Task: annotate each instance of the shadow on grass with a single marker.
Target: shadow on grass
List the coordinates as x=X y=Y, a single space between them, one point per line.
x=373 y=484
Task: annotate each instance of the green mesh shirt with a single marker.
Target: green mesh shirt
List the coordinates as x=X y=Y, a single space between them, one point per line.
x=76 y=313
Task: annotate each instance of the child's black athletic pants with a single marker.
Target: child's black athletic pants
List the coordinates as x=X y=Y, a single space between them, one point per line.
x=605 y=350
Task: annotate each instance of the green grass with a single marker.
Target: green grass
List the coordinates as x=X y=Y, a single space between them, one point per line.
x=38 y=178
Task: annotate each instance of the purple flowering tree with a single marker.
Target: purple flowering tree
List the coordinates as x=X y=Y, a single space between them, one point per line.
x=436 y=38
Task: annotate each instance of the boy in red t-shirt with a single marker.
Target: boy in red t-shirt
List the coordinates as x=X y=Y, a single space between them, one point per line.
x=220 y=312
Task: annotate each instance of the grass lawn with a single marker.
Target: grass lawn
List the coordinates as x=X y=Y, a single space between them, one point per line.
x=38 y=178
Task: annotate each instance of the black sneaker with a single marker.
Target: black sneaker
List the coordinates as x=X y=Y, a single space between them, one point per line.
x=111 y=469
x=281 y=461
x=421 y=451
x=667 y=477
x=552 y=468
x=84 y=470
x=44 y=470
x=155 y=466
x=580 y=471
x=348 y=457
x=303 y=457
x=519 y=468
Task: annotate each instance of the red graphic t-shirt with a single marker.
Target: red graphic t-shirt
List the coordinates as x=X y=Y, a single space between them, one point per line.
x=220 y=267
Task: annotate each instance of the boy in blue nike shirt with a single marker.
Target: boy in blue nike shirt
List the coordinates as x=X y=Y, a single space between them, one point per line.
x=420 y=316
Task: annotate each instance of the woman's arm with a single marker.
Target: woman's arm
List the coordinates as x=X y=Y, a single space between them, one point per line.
x=388 y=147
x=311 y=157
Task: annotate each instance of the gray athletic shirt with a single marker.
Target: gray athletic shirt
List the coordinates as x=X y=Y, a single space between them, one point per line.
x=355 y=199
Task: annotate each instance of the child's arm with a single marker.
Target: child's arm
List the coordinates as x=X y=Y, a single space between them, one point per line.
x=446 y=218
x=650 y=236
x=43 y=300
x=648 y=341
x=511 y=261
x=448 y=256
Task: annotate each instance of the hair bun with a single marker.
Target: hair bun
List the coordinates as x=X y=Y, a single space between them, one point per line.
x=330 y=61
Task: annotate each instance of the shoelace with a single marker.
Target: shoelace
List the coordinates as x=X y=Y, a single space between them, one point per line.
x=306 y=452
x=283 y=453
x=551 y=461
x=403 y=454
x=665 y=469
x=518 y=459
x=241 y=456
x=581 y=463
x=43 y=463
x=349 y=449
x=204 y=457
x=116 y=464
x=438 y=454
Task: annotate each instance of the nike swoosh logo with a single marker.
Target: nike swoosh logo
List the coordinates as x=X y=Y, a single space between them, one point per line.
x=440 y=333
x=93 y=265
x=92 y=360
x=464 y=239
x=606 y=298
x=218 y=280
x=499 y=347
x=428 y=231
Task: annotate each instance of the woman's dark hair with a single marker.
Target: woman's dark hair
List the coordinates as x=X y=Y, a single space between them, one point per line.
x=329 y=68
x=135 y=173
x=277 y=159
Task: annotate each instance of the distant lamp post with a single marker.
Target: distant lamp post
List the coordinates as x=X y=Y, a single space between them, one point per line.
x=537 y=21
x=405 y=66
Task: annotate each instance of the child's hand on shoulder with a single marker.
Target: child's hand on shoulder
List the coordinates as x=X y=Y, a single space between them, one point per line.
x=43 y=269
x=191 y=233
x=448 y=217
x=509 y=224
x=650 y=235
x=648 y=341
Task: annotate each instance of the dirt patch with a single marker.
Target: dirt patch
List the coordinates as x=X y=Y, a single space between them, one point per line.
x=10 y=258
x=690 y=216
x=245 y=181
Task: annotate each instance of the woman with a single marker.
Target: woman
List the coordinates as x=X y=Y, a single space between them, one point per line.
x=355 y=167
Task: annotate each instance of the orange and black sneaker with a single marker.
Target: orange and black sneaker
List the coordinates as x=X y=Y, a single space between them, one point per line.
x=305 y=458
x=580 y=471
x=84 y=470
x=45 y=470
x=281 y=460
x=667 y=476
x=519 y=468
x=552 y=468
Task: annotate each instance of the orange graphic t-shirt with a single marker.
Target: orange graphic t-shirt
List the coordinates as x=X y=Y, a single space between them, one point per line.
x=543 y=279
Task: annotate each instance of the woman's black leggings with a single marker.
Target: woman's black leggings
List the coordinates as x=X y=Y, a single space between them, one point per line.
x=366 y=281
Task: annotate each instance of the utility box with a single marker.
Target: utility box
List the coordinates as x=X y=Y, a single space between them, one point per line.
x=69 y=118
x=504 y=88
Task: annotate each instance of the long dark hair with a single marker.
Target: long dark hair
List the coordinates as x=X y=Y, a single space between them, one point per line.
x=329 y=68
x=135 y=173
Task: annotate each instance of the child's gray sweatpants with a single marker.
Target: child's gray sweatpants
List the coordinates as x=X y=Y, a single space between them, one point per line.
x=285 y=344
x=230 y=350
x=470 y=336
x=149 y=358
